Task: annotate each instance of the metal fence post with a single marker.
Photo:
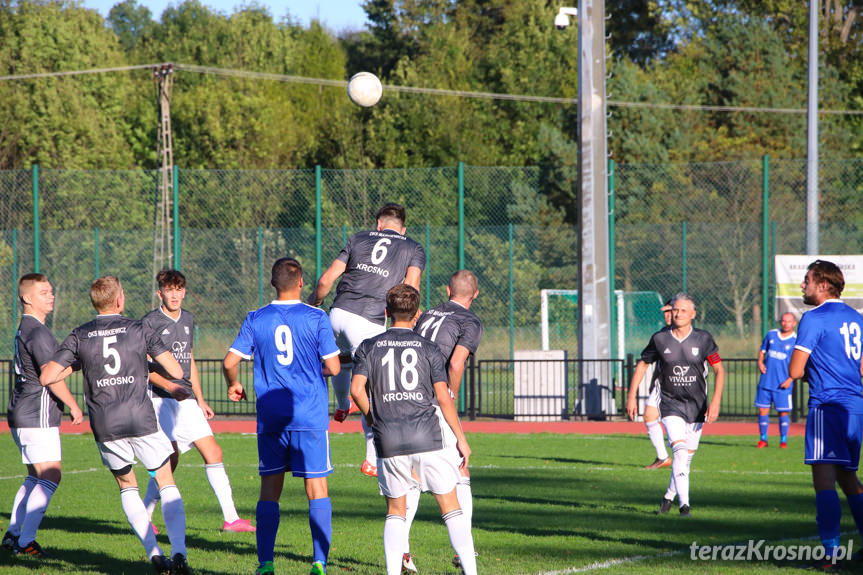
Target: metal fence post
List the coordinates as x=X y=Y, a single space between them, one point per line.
x=15 y=274
x=260 y=266
x=765 y=247
x=611 y=285
x=684 y=257
x=36 y=218
x=176 y=217
x=773 y=275
x=318 y=229
x=428 y=267
x=511 y=299
x=96 y=252
x=461 y=215
x=472 y=386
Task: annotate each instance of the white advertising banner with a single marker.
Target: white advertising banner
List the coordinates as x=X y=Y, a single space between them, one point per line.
x=790 y=271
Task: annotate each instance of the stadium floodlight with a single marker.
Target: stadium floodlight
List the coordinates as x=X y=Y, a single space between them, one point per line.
x=561 y=21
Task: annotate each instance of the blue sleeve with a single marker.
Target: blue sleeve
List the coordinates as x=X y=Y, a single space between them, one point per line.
x=764 y=344
x=326 y=340
x=244 y=344
x=808 y=333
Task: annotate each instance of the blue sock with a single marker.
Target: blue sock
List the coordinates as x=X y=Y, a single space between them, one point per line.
x=267 y=520
x=763 y=422
x=855 y=502
x=784 y=422
x=321 y=524
x=828 y=514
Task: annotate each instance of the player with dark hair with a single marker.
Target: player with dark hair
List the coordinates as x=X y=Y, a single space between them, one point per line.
x=828 y=353
x=682 y=355
x=370 y=264
x=34 y=416
x=400 y=385
x=185 y=422
x=457 y=332
x=774 y=385
x=651 y=407
x=112 y=351
x=289 y=340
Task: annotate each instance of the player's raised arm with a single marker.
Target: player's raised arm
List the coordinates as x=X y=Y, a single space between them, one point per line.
x=231 y=371
x=171 y=365
x=177 y=391
x=326 y=281
x=631 y=401
x=412 y=277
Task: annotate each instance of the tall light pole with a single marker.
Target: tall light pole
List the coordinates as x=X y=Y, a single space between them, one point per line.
x=594 y=298
x=812 y=135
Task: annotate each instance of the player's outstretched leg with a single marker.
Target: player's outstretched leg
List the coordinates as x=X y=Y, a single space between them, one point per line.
x=37 y=504
x=412 y=500
x=680 y=472
x=19 y=506
x=136 y=515
x=342 y=390
x=784 y=424
x=657 y=438
x=221 y=485
x=763 y=425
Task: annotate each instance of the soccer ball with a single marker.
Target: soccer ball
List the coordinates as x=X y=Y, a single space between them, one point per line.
x=364 y=89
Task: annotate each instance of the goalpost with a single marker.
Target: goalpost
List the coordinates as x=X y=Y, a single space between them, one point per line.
x=638 y=317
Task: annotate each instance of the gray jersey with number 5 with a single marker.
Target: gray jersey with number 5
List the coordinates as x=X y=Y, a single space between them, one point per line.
x=113 y=352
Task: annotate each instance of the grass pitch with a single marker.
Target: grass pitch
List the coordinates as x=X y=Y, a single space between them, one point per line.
x=542 y=504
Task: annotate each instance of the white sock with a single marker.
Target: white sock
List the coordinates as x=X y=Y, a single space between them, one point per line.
x=671 y=492
x=175 y=518
x=19 y=505
x=371 y=454
x=654 y=432
x=222 y=488
x=342 y=386
x=395 y=540
x=412 y=501
x=136 y=514
x=151 y=497
x=37 y=504
x=680 y=471
x=458 y=527
x=465 y=498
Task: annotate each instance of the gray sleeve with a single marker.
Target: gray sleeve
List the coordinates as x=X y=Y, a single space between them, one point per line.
x=418 y=259
x=42 y=346
x=67 y=353
x=471 y=335
x=437 y=363
x=155 y=345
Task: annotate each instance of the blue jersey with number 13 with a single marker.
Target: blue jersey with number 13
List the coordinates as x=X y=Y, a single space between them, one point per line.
x=288 y=340
x=832 y=334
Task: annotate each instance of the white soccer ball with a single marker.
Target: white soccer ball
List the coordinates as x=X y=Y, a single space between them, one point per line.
x=364 y=89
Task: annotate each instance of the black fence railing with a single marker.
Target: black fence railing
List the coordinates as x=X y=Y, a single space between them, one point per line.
x=508 y=389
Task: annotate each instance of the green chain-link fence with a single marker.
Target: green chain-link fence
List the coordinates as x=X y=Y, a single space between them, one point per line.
x=693 y=227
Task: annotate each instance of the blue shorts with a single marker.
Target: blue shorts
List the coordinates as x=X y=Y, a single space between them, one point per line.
x=303 y=453
x=781 y=398
x=833 y=436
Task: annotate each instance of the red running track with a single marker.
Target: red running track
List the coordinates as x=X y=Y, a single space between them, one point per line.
x=234 y=425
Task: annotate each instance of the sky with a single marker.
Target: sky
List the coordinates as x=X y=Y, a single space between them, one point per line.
x=335 y=14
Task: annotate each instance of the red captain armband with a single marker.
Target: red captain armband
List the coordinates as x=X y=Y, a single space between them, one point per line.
x=714 y=358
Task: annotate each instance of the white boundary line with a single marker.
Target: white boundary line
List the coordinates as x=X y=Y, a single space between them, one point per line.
x=638 y=558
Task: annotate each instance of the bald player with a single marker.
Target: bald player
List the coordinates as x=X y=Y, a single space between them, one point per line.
x=775 y=385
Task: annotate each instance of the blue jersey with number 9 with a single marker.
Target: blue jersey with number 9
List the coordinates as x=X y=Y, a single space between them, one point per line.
x=288 y=340
x=832 y=334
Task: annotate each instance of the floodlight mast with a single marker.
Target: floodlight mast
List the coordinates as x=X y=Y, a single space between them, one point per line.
x=594 y=314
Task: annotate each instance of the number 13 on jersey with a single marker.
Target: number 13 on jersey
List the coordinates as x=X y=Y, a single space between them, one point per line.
x=851 y=333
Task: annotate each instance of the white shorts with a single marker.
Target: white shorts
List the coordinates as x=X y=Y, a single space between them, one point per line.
x=182 y=421
x=678 y=429
x=437 y=472
x=655 y=397
x=351 y=329
x=151 y=450
x=37 y=444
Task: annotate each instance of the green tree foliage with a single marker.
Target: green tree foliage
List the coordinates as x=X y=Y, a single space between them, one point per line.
x=69 y=122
